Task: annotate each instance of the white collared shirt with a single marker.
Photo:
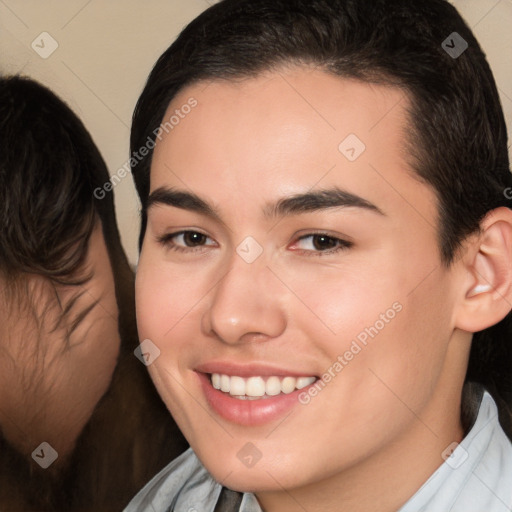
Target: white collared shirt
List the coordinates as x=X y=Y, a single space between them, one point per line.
x=477 y=477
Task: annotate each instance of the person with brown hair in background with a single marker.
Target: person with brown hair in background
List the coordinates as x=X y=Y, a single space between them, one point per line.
x=77 y=408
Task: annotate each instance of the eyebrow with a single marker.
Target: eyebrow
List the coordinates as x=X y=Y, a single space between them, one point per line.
x=296 y=204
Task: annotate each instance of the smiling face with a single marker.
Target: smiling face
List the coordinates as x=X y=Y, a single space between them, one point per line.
x=308 y=261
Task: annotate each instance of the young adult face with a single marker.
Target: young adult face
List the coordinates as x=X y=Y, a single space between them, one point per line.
x=323 y=277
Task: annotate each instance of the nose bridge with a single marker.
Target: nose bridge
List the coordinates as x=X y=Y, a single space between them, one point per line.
x=245 y=301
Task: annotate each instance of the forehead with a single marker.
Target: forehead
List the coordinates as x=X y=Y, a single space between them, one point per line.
x=286 y=131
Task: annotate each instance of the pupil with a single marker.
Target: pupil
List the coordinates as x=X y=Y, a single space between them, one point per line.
x=193 y=238
x=323 y=242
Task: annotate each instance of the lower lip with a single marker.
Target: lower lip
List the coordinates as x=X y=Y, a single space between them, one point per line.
x=248 y=412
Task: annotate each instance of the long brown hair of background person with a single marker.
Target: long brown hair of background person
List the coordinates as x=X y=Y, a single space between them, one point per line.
x=49 y=168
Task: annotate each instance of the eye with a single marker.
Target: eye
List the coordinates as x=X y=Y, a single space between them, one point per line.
x=314 y=244
x=320 y=244
x=184 y=241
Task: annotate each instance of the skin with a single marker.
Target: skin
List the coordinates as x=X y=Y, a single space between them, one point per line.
x=52 y=385
x=266 y=138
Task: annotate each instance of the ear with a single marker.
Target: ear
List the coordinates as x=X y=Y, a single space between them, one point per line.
x=487 y=284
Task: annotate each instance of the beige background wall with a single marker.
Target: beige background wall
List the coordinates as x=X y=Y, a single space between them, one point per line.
x=107 y=48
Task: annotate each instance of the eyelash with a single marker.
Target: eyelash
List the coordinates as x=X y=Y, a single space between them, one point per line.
x=166 y=241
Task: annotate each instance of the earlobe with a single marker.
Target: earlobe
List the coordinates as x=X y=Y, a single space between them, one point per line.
x=488 y=295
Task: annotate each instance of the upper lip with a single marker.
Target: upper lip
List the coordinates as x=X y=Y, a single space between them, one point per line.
x=249 y=370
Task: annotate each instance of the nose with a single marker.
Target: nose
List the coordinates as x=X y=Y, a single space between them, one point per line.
x=246 y=305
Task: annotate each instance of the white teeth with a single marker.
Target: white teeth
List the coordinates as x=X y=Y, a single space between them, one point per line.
x=216 y=380
x=225 y=383
x=302 y=382
x=288 y=384
x=273 y=386
x=256 y=387
x=237 y=386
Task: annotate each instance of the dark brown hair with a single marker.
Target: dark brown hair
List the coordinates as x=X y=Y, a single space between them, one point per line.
x=49 y=169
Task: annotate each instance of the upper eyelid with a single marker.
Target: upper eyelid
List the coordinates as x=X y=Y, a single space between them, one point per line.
x=343 y=242
x=325 y=232
x=165 y=238
x=184 y=231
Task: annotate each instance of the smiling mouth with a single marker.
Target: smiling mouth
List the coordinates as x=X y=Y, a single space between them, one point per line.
x=256 y=388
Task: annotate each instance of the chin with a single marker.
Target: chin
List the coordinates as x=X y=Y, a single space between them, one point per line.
x=252 y=481
x=259 y=478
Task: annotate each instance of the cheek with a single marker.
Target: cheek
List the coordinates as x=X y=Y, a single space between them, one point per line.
x=378 y=320
x=161 y=305
x=163 y=297
x=342 y=301
x=406 y=357
x=147 y=302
